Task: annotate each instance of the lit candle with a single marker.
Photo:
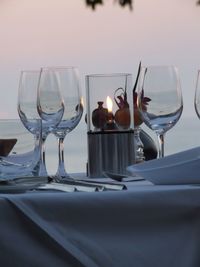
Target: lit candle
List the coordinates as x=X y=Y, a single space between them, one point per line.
x=109 y=104
x=110 y=119
x=109 y=107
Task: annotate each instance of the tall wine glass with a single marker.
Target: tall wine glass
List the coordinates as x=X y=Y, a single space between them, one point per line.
x=160 y=100
x=50 y=105
x=27 y=109
x=69 y=84
x=197 y=95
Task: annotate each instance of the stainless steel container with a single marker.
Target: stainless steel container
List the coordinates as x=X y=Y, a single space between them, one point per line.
x=110 y=152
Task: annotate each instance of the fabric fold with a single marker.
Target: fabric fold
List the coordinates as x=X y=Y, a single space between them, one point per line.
x=78 y=256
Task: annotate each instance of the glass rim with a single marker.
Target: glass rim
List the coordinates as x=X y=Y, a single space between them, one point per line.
x=101 y=75
x=159 y=66
x=58 y=67
x=30 y=71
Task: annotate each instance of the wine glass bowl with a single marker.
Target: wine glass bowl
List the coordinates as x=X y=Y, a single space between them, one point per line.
x=27 y=100
x=69 y=85
x=50 y=105
x=197 y=95
x=40 y=106
x=160 y=100
x=27 y=110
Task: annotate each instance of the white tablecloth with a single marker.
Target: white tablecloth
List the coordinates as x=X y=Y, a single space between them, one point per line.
x=143 y=226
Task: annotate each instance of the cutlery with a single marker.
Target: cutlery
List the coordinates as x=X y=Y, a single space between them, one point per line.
x=122 y=177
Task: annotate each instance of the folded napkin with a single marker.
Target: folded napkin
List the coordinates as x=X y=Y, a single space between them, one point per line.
x=22 y=184
x=107 y=184
x=33 y=180
x=57 y=186
x=90 y=184
x=179 y=168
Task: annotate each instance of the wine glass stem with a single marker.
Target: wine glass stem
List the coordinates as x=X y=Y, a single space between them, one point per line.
x=61 y=162
x=161 y=145
x=43 y=170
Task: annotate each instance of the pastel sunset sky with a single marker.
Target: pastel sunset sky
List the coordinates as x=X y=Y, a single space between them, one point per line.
x=37 y=33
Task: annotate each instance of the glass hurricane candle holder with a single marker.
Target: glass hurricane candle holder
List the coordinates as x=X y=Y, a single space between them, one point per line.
x=110 y=123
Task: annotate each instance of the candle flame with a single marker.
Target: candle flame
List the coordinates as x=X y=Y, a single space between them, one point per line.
x=82 y=101
x=109 y=104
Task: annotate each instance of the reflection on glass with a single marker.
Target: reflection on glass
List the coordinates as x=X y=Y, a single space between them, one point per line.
x=50 y=104
x=69 y=84
x=27 y=109
x=160 y=85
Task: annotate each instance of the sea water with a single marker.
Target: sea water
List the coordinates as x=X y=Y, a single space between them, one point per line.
x=184 y=135
x=75 y=150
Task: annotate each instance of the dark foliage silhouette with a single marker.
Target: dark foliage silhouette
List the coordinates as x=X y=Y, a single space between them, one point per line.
x=122 y=3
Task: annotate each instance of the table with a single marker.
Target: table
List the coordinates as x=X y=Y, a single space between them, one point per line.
x=143 y=226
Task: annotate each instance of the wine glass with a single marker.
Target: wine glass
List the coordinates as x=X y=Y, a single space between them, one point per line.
x=27 y=109
x=50 y=105
x=197 y=95
x=160 y=100
x=68 y=78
